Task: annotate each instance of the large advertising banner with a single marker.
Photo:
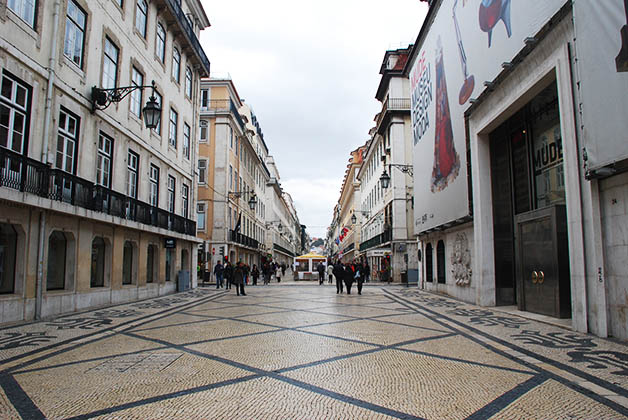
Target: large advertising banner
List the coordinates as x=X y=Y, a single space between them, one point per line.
x=465 y=46
x=602 y=52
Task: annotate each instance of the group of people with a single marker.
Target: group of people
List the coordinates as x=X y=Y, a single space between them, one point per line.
x=357 y=271
x=240 y=273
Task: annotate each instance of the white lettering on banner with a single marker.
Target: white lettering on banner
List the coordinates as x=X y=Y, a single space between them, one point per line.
x=421 y=98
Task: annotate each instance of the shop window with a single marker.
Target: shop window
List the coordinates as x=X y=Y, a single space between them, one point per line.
x=440 y=262
x=98 y=263
x=129 y=263
x=170 y=255
x=60 y=267
x=8 y=246
x=152 y=264
x=429 y=269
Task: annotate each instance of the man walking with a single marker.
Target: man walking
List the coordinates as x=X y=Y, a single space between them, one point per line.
x=238 y=279
x=330 y=272
x=348 y=277
x=228 y=275
x=218 y=273
x=339 y=273
x=321 y=273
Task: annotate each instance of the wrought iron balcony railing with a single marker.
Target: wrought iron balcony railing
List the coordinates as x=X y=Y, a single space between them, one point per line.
x=385 y=236
x=243 y=240
x=174 y=6
x=393 y=104
x=24 y=174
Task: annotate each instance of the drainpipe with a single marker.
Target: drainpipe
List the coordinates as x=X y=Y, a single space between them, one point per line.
x=44 y=157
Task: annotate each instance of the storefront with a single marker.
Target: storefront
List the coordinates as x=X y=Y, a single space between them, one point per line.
x=379 y=262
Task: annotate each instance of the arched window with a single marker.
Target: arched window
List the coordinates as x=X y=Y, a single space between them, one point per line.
x=429 y=266
x=440 y=262
x=57 y=252
x=98 y=262
x=8 y=246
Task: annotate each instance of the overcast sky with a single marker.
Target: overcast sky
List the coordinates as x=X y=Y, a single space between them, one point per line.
x=310 y=70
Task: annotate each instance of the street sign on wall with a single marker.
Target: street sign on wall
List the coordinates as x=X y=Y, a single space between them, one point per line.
x=602 y=65
x=465 y=46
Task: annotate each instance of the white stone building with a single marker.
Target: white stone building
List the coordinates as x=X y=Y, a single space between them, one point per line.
x=520 y=156
x=97 y=208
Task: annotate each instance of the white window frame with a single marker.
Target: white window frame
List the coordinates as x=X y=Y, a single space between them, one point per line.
x=201 y=216
x=110 y=64
x=104 y=160
x=133 y=166
x=185 y=200
x=176 y=64
x=172 y=131
x=67 y=139
x=137 y=79
x=141 y=17
x=172 y=188
x=74 y=40
x=160 y=42
x=154 y=186
x=186 y=141
x=202 y=171
x=188 y=82
x=16 y=104
x=203 y=132
x=24 y=9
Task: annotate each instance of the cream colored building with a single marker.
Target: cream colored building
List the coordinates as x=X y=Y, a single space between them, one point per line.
x=97 y=208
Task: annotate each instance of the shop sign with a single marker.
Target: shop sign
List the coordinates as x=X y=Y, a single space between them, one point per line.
x=170 y=243
x=378 y=253
x=465 y=45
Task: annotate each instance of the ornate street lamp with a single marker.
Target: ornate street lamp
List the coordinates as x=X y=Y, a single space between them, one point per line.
x=102 y=98
x=385 y=179
x=252 y=202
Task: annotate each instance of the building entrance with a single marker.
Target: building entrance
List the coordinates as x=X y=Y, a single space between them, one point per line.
x=529 y=213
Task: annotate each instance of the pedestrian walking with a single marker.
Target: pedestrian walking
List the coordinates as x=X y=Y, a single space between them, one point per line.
x=321 y=273
x=266 y=273
x=278 y=274
x=360 y=270
x=228 y=275
x=218 y=269
x=254 y=274
x=339 y=273
x=283 y=269
x=238 y=278
x=330 y=272
x=348 y=277
x=367 y=272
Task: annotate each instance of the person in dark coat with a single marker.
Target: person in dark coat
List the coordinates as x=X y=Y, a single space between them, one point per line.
x=348 y=277
x=339 y=273
x=361 y=275
x=266 y=273
x=238 y=279
x=321 y=273
x=255 y=274
x=218 y=273
x=367 y=272
x=228 y=274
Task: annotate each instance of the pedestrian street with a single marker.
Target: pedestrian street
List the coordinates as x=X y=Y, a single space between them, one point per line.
x=301 y=351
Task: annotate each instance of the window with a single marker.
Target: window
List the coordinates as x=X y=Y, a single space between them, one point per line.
x=160 y=43
x=172 y=133
x=66 y=141
x=202 y=171
x=25 y=9
x=169 y=264
x=203 y=132
x=230 y=177
x=141 y=11
x=186 y=141
x=429 y=269
x=110 y=65
x=103 y=169
x=129 y=268
x=98 y=263
x=188 y=82
x=8 y=247
x=14 y=97
x=172 y=182
x=74 y=34
x=176 y=64
x=200 y=216
x=158 y=99
x=205 y=98
x=185 y=196
x=137 y=79
x=57 y=250
x=440 y=262
x=151 y=264
x=133 y=163
x=154 y=186
x=230 y=137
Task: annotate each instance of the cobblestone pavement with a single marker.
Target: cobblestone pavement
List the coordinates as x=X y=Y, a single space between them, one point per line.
x=288 y=352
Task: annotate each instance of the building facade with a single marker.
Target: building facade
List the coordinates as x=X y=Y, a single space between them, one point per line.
x=98 y=208
x=520 y=156
x=386 y=206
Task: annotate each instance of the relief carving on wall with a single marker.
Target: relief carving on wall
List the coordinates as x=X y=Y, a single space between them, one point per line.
x=461 y=260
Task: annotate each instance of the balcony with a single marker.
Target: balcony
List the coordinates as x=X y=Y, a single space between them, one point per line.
x=392 y=105
x=243 y=240
x=224 y=105
x=385 y=236
x=24 y=174
x=177 y=16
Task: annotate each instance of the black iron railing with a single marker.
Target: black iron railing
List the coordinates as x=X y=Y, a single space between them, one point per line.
x=28 y=175
x=385 y=236
x=284 y=250
x=243 y=240
x=188 y=30
x=236 y=114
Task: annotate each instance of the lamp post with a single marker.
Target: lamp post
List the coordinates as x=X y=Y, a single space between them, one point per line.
x=102 y=98
x=252 y=201
x=385 y=178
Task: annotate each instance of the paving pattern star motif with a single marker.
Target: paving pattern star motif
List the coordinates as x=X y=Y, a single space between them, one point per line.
x=301 y=351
